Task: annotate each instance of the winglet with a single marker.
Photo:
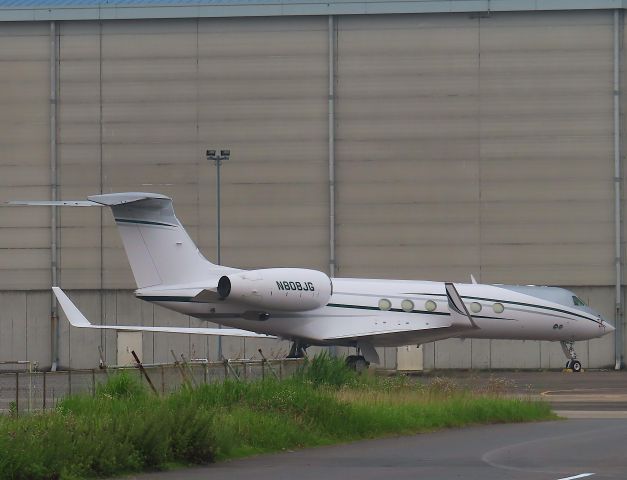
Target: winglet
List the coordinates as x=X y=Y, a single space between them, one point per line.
x=74 y=315
x=472 y=279
x=459 y=313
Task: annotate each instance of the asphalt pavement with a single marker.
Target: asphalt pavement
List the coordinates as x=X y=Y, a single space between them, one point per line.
x=591 y=443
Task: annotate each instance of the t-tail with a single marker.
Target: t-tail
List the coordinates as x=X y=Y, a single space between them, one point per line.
x=158 y=248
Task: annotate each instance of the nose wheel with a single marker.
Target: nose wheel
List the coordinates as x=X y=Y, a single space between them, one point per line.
x=572 y=363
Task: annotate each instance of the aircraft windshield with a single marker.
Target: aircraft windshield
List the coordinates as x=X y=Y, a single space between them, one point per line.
x=578 y=302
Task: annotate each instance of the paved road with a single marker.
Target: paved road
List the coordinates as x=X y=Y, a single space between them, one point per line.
x=587 y=391
x=592 y=441
x=540 y=451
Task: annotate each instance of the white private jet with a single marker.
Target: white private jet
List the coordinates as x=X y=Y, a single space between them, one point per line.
x=309 y=308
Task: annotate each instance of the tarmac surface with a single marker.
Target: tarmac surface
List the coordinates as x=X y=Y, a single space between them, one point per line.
x=591 y=443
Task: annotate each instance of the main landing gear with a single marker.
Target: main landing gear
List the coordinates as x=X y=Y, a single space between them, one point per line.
x=357 y=363
x=354 y=362
x=569 y=350
x=297 y=350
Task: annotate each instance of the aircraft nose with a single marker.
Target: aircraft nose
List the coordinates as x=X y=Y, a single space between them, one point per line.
x=608 y=328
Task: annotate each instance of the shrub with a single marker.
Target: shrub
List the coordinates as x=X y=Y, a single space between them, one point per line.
x=123 y=428
x=324 y=369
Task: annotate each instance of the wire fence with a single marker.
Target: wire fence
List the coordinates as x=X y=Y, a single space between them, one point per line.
x=29 y=390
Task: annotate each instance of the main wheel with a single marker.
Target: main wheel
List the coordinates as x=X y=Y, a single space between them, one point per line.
x=569 y=364
x=361 y=364
x=357 y=363
x=575 y=365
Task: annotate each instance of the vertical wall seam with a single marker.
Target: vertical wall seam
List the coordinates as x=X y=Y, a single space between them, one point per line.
x=331 y=58
x=103 y=337
x=479 y=165
x=54 y=272
x=331 y=145
x=618 y=338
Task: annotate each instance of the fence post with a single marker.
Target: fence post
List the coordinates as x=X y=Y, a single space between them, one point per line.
x=44 y=388
x=205 y=372
x=17 y=394
x=30 y=386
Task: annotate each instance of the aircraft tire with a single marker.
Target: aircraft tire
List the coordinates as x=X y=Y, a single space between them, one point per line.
x=575 y=365
x=357 y=363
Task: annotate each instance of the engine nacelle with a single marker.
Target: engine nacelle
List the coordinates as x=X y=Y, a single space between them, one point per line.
x=293 y=289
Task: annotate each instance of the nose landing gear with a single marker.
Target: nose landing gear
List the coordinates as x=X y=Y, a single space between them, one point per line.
x=569 y=350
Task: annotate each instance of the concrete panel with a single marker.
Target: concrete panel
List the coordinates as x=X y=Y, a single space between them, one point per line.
x=165 y=342
x=389 y=358
x=454 y=352
x=480 y=353
x=19 y=279
x=147 y=317
x=13 y=324
x=546 y=111
x=24 y=258
x=25 y=47
x=233 y=347
x=78 y=347
x=38 y=328
x=109 y=338
x=514 y=354
x=25 y=238
x=199 y=345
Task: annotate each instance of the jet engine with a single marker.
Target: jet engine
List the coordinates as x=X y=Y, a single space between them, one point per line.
x=289 y=289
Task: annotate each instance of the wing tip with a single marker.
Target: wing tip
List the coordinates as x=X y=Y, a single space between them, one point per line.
x=73 y=314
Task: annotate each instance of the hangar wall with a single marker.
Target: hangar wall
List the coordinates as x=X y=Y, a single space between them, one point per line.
x=464 y=144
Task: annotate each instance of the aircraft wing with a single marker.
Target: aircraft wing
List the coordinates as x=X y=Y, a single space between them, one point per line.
x=77 y=319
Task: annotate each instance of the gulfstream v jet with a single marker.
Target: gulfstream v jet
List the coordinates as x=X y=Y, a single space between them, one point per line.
x=309 y=308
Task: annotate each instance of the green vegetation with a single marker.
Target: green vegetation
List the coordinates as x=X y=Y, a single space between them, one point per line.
x=125 y=428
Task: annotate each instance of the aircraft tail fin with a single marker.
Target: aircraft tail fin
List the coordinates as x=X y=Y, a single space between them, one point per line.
x=158 y=248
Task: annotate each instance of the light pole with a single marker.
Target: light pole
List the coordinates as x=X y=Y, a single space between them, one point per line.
x=224 y=155
x=211 y=156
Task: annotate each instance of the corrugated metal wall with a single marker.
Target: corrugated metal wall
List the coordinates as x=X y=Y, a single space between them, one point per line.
x=465 y=144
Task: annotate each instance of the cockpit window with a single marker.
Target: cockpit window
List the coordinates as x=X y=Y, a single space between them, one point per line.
x=578 y=302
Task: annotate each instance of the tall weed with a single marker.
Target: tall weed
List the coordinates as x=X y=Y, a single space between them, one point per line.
x=123 y=428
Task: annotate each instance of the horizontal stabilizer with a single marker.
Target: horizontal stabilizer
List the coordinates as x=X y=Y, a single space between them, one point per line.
x=459 y=313
x=77 y=319
x=51 y=203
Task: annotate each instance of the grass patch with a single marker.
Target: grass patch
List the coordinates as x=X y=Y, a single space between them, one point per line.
x=124 y=428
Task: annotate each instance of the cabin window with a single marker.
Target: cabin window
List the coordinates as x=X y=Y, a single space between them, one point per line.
x=430 y=305
x=498 y=308
x=385 y=304
x=407 y=305
x=578 y=302
x=475 y=307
